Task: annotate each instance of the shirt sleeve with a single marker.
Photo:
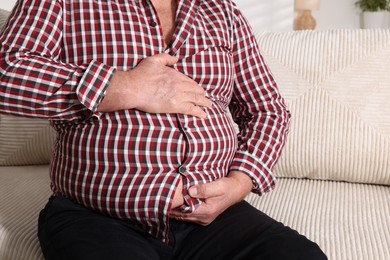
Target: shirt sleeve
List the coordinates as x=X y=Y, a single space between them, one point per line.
x=258 y=109
x=35 y=81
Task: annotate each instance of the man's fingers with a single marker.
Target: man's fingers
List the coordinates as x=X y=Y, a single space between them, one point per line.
x=197 y=97
x=207 y=190
x=166 y=90
x=194 y=110
x=203 y=215
x=165 y=59
x=201 y=100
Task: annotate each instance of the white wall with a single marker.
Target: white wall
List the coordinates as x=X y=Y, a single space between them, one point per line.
x=7 y=4
x=268 y=15
x=337 y=14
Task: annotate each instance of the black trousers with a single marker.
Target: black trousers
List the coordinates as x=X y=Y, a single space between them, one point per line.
x=69 y=231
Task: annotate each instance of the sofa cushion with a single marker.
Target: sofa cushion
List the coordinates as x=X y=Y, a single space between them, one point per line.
x=25 y=141
x=24 y=191
x=347 y=220
x=3 y=17
x=337 y=86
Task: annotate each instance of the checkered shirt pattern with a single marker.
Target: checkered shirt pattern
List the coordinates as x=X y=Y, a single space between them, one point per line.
x=57 y=59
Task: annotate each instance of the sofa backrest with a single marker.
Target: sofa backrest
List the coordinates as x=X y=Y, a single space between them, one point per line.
x=3 y=17
x=337 y=85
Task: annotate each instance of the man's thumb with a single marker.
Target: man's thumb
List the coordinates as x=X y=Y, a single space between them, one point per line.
x=193 y=191
x=206 y=190
x=167 y=59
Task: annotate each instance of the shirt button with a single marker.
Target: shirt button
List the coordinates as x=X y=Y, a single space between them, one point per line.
x=153 y=24
x=182 y=169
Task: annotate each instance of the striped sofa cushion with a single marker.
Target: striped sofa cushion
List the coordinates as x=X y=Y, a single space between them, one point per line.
x=25 y=141
x=337 y=86
x=349 y=221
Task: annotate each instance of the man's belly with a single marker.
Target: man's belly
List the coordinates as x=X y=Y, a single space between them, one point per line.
x=140 y=142
x=112 y=158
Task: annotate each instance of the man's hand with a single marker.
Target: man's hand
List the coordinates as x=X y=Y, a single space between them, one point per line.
x=217 y=196
x=154 y=87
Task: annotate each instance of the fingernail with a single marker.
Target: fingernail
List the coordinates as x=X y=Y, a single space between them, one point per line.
x=193 y=191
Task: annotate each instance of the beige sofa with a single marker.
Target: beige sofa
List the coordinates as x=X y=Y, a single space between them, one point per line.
x=334 y=174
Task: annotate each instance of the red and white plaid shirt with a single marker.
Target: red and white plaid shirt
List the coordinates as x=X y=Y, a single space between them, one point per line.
x=57 y=58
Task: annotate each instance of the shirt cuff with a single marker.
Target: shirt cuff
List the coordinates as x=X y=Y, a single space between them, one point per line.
x=262 y=177
x=93 y=85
